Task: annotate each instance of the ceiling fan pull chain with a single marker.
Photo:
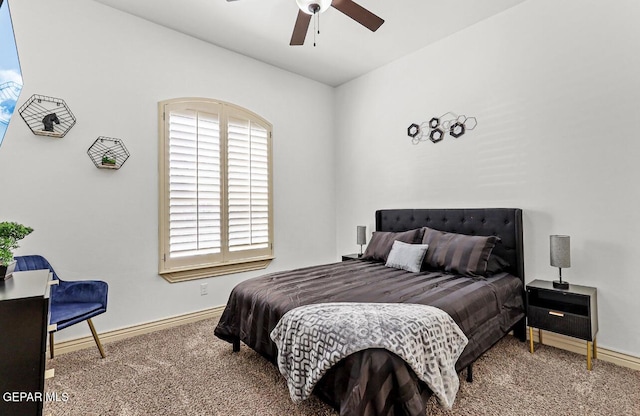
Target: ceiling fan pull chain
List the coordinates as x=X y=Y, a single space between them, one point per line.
x=315 y=17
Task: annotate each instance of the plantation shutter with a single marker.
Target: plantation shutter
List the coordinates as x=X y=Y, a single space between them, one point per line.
x=194 y=183
x=247 y=184
x=215 y=190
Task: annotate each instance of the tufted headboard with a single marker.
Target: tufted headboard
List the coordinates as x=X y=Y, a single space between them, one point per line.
x=505 y=223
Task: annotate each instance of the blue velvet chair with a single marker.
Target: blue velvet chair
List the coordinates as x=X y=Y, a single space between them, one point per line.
x=70 y=302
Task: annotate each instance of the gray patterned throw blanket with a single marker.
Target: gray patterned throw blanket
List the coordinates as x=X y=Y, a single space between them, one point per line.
x=312 y=338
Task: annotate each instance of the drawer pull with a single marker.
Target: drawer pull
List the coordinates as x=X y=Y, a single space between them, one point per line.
x=561 y=315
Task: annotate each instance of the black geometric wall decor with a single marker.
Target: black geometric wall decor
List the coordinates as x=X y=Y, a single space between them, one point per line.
x=108 y=153
x=435 y=129
x=456 y=130
x=47 y=116
x=436 y=135
x=413 y=130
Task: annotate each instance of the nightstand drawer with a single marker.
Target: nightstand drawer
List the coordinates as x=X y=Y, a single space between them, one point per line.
x=565 y=323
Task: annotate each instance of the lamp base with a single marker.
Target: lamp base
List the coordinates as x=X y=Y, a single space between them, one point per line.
x=557 y=284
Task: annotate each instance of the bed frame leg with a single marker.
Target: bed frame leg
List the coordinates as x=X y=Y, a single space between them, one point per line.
x=520 y=330
x=236 y=344
x=470 y=373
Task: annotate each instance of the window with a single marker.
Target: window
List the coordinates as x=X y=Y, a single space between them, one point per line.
x=215 y=189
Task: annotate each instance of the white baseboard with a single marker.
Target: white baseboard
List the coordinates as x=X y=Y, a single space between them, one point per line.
x=132 y=331
x=580 y=347
x=548 y=338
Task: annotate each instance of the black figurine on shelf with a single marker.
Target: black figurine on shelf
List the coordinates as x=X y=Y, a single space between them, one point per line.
x=48 y=121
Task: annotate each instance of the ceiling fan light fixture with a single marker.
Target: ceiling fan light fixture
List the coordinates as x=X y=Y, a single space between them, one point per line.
x=313 y=6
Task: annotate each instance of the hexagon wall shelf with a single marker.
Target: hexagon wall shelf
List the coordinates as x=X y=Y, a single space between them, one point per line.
x=47 y=116
x=108 y=153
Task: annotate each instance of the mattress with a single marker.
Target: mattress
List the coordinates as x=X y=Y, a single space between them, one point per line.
x=484 y=308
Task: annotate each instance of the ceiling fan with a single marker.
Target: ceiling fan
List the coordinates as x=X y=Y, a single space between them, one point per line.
x=309 y=8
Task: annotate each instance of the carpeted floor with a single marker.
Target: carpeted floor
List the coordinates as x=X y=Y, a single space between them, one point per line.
x=188 y=371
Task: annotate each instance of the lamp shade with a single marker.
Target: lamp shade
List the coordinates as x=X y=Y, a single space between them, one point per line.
x=560 y=251
x=307 y=6
x=361 y=234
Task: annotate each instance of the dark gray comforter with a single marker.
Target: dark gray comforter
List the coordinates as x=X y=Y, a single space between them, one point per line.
x=373 y=382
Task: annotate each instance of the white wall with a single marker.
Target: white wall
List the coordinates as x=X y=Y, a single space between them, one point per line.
x=555 y=87
x=112 y=69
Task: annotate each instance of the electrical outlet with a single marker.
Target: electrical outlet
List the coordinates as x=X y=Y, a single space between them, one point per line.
x=204 y=289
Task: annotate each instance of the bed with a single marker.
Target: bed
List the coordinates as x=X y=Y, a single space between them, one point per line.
x=376 y=381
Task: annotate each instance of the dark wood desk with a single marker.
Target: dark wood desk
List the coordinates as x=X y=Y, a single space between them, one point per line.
x=24 y=317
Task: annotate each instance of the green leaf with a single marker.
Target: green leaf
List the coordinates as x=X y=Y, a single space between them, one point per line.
x=10 y=234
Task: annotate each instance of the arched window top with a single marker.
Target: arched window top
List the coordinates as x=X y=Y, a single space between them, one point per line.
x=216 y=203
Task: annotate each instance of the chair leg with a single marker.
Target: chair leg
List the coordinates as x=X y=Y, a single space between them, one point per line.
x=51 y=344
x=95 y=337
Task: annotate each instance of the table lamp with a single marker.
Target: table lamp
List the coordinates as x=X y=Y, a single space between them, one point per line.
x=361 y=237
x=560 y=257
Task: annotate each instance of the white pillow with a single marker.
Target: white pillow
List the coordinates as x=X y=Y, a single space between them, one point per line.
x=406 y=256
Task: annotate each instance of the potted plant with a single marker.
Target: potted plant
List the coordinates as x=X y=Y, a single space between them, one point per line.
x=108 y=160
x=10 y=234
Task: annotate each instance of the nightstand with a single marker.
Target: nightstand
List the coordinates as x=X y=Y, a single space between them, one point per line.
x=572 y=312
x=354 y=256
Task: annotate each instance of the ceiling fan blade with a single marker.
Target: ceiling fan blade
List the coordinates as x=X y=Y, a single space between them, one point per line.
x=300 y=29
x=358 y=13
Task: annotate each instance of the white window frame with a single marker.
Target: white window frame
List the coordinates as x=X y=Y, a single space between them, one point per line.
x=226 y=261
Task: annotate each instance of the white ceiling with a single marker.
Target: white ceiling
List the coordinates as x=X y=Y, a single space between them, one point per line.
x=345 y=50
